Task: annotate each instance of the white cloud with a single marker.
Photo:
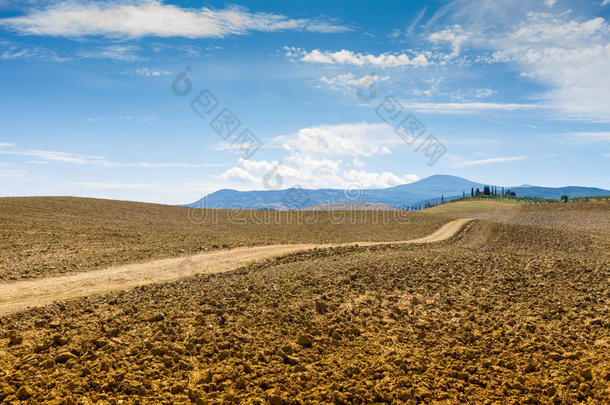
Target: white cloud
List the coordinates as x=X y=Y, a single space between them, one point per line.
x=239 y=175
x=606 y=155
x=161 y=165
x=123 y=53
x=114 y=118
x=455 y=36
x=416 y=21
x=6 y=145
x=360 y=139
x=568 y=55
x=162 y=188
x=357 y=162
x=346 y=57
x=150 y=72
x=312 y=173
x=349 y=81
x=605 y=2
x=44 y=156
x=378 y=180
x=11 y=51
x=551 y=3
x=53 y=156
x=588 y=137
x=324 y=156
x=466 y=163
x=483 y=92
x=12 y=173
x=466 y=108
x=153 y=18
x=147 y=118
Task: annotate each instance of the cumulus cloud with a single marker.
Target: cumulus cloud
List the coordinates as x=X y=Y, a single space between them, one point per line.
x=309 y=172
x=383 y=179
x=153 y=18
x=347 y=57
x=359 y=139
x=239 y=175
x=325 y=156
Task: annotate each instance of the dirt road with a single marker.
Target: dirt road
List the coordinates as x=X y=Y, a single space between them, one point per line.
x=21 y=295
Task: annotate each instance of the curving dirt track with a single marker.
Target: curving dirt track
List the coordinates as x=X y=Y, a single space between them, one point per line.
x=19 y=296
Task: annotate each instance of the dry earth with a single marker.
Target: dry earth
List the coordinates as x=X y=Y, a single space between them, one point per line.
x=502 y=313
x=592 y=216
x=42 y=236
x=22 y=295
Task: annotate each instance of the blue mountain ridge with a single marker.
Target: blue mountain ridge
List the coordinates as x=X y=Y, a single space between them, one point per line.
x=429 y=189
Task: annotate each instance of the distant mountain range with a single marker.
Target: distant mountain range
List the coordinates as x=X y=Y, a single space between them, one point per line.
x=418 y=193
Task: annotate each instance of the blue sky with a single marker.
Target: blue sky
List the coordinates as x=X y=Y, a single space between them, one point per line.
x=509 y=92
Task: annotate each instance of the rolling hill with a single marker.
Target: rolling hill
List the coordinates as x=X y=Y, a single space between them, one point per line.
x=429 y=190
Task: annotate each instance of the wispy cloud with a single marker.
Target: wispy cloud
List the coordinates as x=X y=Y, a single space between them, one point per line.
x=12 y=173
x=53 y=156
x=151 y=72
x=6 y=145
x=453 y=36
x=568 y=54
x=115 y=118
x=153 y=187
x=467 y=108
x=416 y=20
x=346 y=57
x=549 y=3
x=349 y=81
x=123 y=53
x=148 y=118
x=466 y=163
x=588 y=137
x=13 y=51
x=153 y=18
x=43 y=156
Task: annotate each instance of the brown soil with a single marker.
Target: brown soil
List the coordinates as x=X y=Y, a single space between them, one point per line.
x=505 y=313
x=592 y=216
x=25 y=294
x=42 y=236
